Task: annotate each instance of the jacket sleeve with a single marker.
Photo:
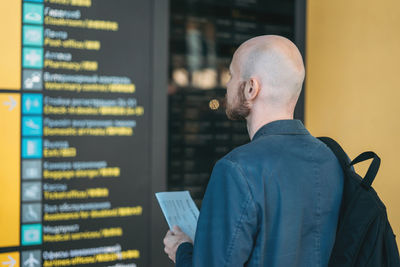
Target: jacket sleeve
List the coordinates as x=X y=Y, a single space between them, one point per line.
x=184 y=255
x=227 y=223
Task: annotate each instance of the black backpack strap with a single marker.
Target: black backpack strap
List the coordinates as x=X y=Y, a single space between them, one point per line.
x=344 y=160
x=373 y=168
x=338 y=151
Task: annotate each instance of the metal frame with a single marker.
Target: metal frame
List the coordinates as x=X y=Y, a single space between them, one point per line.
x=159 y=101
x=300 y=40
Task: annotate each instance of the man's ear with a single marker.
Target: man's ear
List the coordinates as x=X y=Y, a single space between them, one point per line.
x=251 y=89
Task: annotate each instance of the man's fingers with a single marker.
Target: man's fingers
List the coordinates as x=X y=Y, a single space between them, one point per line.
x=170 y=253
x=171 y=240
x=168 y=235
x=165 y=238
x=169 y=256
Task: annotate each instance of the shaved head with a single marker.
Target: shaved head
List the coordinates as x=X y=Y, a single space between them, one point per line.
x=267 y=74
x=277 y=65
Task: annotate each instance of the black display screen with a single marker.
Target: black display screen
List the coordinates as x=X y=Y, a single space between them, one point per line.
x=84 y=101
x=203 y=37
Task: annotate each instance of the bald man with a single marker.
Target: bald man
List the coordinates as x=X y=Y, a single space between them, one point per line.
x=274 y=201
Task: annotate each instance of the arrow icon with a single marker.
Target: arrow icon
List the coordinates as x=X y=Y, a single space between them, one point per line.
x=10 y=263
x=10 y=103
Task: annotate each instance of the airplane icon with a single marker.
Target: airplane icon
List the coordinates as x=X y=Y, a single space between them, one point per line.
x=31 y=261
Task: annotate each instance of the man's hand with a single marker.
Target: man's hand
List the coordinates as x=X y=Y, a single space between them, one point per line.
x=173 y=239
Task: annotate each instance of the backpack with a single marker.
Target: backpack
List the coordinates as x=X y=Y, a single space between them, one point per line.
x=364 y=236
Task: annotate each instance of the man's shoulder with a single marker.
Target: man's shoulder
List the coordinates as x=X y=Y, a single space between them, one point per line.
x=251 y=151
x=269 y=149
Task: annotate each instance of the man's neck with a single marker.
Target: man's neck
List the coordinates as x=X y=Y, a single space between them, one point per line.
x=254 y=124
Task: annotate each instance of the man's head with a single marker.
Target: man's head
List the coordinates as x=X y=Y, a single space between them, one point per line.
x=267 y=73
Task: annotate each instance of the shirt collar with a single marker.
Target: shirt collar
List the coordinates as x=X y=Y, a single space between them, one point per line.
x=281 y=127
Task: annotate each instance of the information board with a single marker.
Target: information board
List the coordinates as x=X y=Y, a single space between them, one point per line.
x=75 y=96
x=204 y=34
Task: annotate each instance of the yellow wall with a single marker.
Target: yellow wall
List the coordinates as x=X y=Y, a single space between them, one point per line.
x=353 y=83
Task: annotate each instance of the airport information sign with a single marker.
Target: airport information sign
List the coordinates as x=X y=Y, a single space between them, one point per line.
x=74 y=139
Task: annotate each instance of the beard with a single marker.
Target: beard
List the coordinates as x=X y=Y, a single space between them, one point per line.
x=242 y=109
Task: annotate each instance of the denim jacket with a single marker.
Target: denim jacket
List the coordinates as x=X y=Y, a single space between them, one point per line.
x=272 y=202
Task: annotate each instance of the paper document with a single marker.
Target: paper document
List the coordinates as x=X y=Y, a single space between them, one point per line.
x=179 y=209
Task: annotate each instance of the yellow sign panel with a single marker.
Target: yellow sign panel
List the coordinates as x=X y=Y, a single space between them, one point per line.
x=9 y=169
x=10 y=45
x=9 y=259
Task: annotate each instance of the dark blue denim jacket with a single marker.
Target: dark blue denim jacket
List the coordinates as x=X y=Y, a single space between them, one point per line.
x=272 y=202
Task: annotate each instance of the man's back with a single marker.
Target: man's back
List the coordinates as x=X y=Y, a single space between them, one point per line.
x=272 y=202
